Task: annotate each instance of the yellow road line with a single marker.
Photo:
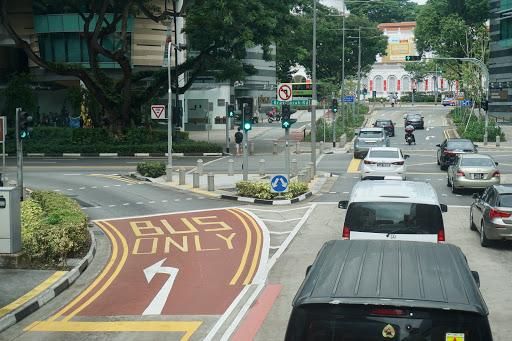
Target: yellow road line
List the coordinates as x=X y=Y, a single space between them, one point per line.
x=246 y=251
x=353 y=167
x=116 y=272
x=116 y=177
x=32 y=293
x=257 y=249
x=189 y=327
x=98 y=279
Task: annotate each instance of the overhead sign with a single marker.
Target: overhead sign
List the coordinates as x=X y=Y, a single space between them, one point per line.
x=349 y=99
x=292 y=102
x=3 y=128
x=284 y=92
x=158 y=112
x=279 y=184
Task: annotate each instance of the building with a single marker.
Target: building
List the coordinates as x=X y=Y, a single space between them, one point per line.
x=54 y=33
x=500 y=63
x=388 y=75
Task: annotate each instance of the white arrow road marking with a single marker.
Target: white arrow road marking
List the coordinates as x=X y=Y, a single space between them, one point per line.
x=157 y=304
x=429 y=137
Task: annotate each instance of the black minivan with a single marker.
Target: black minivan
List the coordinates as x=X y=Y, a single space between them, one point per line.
x=375 y=290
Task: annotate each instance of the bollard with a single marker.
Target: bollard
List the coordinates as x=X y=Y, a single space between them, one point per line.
x=312 y=175
x=211 y=185
x=262 y=167
x=230 y=167
x=181 y=173
x=498 y=140
x=307 y=175
x=294 y=166
x=297 y=147
x=321 y=147
x=301 y=177
x=200 y=166
x=251 y=147
x=485 y=139
x=195 y=179
x=275 y=149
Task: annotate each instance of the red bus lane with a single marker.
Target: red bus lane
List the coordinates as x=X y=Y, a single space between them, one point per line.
x=193 y=263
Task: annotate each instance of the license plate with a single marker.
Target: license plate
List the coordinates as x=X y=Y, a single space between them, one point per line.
x=383 y=165
x=478 y=176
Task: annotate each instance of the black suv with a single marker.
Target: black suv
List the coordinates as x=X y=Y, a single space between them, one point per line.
x=415 y=120
x=388 y=126
x=376 y=290
x=450 y=148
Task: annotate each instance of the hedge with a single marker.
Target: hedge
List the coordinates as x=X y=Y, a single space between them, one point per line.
x=51 y=140
x=53 y=228
x=476 y=127
x=152 y=169
x=262 y=190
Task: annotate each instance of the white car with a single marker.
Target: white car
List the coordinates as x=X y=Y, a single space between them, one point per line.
x=384 y=163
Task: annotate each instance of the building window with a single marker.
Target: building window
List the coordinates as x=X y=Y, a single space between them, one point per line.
x=378 y=84
x=392 y=84
x=505 y=5
x=406 y=84
x=506 y=28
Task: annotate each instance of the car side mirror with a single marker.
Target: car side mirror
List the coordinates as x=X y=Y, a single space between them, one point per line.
x=406 y=156
x=444 y=208
x=343 y=204
x=476 y=277
x=476 y=195
x=438 y=145
x=496 y=163
x=476 y=146
x=308 y=269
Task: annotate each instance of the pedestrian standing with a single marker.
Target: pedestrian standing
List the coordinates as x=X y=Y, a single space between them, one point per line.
x=239 y=137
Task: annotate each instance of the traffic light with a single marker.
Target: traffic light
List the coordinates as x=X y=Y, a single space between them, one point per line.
x=365 y=91
x=413 y=91
x=334 y=105
x=231 y=110
x=485 y=104
x=177 y=116
x=285 y=116
x=247 y=122
x=24 y=125
x=411 y=58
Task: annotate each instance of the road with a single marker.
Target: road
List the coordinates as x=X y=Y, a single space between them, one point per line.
x=172 y=265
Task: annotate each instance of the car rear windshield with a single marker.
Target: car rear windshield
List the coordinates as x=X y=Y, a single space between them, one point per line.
x=477 y=162
x=383 y=123
x=377 y=323
x=394 y=217
x=414 y=117
x=460 y=145
x=370 y=134
x=384 y=154
x=505 y=200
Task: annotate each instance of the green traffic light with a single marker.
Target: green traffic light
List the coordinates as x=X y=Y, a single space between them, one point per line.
x=24 y=134
x=247 y=126
x=286 y=124
x=335 y=109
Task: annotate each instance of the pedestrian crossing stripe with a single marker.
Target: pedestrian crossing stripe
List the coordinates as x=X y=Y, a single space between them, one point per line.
x=116 y=177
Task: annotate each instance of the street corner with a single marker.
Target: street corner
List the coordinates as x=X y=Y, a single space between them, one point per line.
x=180 y=264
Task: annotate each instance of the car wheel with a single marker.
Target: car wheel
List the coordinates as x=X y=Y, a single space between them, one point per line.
x=448 y=183
x=443 y=167
x=483 y=239
x=472 y=226
x=454 y=189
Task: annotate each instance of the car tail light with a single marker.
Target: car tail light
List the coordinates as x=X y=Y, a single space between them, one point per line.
x=448 y=153
x=496 y=174
x=398 y=163
x=388 y=312
x=366 y=162
x=440 y=236
x=346 y=233
x=460 y=173
x=494 y=213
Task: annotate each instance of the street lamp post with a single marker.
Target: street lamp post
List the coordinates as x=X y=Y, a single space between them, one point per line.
x=342 y=78
x=314 y=95
x=169 y=115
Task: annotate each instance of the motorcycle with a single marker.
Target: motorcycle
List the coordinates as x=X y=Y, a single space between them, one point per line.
x=409 y=138
x=273 y=116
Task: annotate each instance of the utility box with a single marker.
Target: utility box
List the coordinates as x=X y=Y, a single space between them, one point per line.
x=10 y=220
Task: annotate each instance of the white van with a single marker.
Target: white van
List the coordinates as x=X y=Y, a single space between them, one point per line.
x=396 y=210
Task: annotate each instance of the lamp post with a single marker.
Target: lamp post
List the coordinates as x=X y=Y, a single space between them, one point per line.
x=314 y=95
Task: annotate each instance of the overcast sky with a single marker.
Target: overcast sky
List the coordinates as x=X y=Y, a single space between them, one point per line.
x=339 y=3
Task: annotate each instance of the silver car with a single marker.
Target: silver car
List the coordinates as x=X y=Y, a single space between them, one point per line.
x=491 y=214
x=368 y=138
x=476 y=171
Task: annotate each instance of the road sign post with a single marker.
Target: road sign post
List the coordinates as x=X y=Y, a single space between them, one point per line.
x=287 y=151
x=284 y=92
x=279 y=184
x=19 y=154
x=245 y=165
x=3 y=131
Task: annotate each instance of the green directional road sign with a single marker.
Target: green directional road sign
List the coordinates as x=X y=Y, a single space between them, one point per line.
x=292 y=102
x=411 y=58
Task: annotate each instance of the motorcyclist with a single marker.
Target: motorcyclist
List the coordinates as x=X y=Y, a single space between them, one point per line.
x=409 y=132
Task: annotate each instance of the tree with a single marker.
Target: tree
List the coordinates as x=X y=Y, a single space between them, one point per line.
x=18 y=94
x=219 y=31
x=385 y=11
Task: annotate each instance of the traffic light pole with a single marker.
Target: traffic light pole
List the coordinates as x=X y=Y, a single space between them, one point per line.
x=228 y=124
x=19 y=154
x=245 y=165
x=314 y=95
x=287 y=152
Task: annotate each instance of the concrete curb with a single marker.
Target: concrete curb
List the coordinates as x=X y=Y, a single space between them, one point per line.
x=111 y=155
x=54 y=290
x=267 y=202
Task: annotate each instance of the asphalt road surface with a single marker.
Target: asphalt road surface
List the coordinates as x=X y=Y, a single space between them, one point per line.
x=173 y=265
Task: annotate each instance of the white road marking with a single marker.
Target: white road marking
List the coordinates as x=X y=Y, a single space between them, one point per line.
x=276 y=232
x=56 y=190
x=274 y=247
x=112 y=205
x=188 y=199
x=151 y=202
x=126 y=204
x=72 y=174
x=176 y=200
x=106 y=186
x=280 y=221
x=94 y=187
x=157 y=304
x=139 y=203
x=277 y=211
x=69 y=189
x=117 y=185
x=164 y=200
x=82 y=188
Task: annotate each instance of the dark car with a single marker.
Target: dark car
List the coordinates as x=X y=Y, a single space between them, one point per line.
x=374 y=290
x=491 y=214
x=415 y=120
x=388 y=126
x=450 y=148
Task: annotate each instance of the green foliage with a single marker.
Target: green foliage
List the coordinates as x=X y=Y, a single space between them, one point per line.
x=385 y=11
x=347 y=126
x=419 y=97
x=18 y=94
x=476 y=128
x=262 y=190
x=152 y=169
x=53 y=228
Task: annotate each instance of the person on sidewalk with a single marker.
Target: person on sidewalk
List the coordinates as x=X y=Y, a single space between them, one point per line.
x=239 y=137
